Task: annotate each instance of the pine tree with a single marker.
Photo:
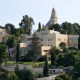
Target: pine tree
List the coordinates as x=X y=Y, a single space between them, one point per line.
x=17 y=53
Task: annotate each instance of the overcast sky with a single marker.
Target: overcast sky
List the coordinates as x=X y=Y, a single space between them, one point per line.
x=11 y=11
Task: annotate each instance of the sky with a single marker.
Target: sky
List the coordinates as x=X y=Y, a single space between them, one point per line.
x=12 y=11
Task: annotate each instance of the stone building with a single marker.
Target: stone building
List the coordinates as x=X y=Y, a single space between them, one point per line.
x=50 y=38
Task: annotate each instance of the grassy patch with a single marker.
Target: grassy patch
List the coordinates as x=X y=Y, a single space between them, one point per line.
x=33 y=64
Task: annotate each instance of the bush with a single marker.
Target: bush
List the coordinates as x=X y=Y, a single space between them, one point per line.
x=41 y=59
x=12 y=76
x=25 y=74
x=63 y=76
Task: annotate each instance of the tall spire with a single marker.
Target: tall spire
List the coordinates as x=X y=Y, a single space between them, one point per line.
x=53 y=19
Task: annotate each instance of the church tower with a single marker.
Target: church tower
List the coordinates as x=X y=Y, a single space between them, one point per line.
x=53 y=19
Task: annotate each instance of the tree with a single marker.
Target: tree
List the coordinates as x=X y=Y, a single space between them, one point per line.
x=67 y=28
x=54 y=52
x=10 y=28
x=66 y=59
x=35 y=47
x=46 y=67
x=11 y=42
x=56 y=27
x=17 y=52
x=76 y=28
x=39 y=26
x=69 y=60
x=12 y=76
x=25 y=74
x=77 y=67
x=26 y=24
x=3 y=53
x=63 y=76
x=62 y=45
x=78 y=78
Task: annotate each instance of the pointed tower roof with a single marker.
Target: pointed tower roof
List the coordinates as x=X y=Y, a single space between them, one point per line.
x=53 y=18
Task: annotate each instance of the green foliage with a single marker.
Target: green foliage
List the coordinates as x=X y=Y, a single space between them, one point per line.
x=63 y=76
x=26 y=24
x=46 y=67
x=54 y=52
x=56 y=27
x=65 y=59
x=35 y=47
x=3 y=53
x=3 y=74
x=12 y=76
x=25 y=74
x=66 y=28
x=16 y=68
x=11 y=42
x=77 y=67
x=62 y=45
x=17 y=52
x=39 y=26
x=10 y=28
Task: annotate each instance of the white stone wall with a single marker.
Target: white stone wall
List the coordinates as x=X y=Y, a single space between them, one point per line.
x=73 y=41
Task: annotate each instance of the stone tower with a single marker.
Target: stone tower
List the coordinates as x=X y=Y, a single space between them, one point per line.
x=53 y=19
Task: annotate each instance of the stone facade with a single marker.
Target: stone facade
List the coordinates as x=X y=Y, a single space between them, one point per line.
x=3 y=35
x=51 y=38
x=73 y=41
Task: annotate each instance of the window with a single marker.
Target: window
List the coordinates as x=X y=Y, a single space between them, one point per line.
x=48 y=39
x=51 y=39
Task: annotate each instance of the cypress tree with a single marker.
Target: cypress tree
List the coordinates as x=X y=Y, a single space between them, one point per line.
x=46 y=67
x=39 y=26
x=17 y=53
